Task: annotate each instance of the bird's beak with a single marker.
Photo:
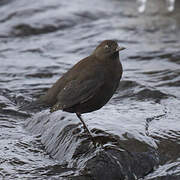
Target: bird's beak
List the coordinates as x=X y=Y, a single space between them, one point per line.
x=120 y=48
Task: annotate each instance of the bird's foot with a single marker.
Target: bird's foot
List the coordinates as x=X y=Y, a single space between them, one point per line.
x=96 y=143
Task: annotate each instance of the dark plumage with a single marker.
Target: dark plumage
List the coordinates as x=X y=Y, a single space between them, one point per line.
x=89 y=84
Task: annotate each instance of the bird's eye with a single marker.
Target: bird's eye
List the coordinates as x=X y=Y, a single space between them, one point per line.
x=106 y=46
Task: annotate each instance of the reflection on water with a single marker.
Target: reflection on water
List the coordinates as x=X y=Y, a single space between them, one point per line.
x=170 y=4
x=142 y=5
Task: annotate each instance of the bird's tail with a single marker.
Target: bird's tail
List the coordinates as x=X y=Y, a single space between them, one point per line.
x=34 y=106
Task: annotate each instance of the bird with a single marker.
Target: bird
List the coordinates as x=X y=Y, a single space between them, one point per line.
x=89 y=84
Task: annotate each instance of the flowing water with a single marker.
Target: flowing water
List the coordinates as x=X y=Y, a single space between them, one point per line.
x=40 y=40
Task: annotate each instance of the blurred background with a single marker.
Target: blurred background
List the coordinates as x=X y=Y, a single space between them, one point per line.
x=40 y=40
x=170 y=5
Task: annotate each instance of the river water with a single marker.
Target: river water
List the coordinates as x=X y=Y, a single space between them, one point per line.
x=40 y=40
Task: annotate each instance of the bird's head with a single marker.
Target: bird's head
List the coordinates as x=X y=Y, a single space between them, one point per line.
x=107 y=48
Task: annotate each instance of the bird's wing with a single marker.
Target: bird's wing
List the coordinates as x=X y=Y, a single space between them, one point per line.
x=77 y=91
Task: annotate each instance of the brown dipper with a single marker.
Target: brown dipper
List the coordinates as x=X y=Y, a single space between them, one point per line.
x=89 y=84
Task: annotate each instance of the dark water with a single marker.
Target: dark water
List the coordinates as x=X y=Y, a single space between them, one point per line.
x=40 y=40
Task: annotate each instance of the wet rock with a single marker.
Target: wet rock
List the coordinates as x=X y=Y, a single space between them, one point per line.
x=65 y=141
x=149 y=94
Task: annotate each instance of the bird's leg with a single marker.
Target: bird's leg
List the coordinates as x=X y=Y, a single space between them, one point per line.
x=79 y=116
